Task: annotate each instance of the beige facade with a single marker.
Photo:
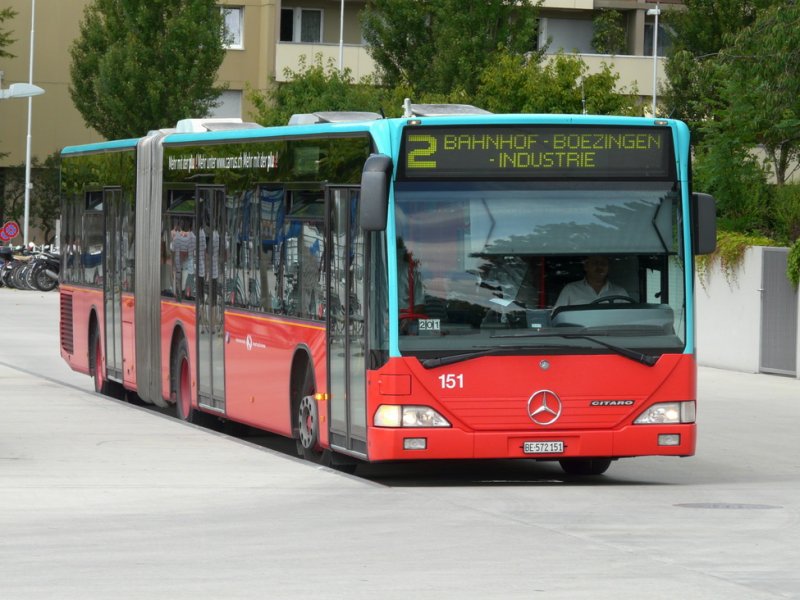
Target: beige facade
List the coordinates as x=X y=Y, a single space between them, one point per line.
x=274 y=34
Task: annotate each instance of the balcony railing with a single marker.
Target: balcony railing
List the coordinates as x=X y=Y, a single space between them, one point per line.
x=633 y=70
x=355 y=58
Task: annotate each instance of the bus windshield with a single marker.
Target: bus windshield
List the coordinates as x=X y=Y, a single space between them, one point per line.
x=484 y=265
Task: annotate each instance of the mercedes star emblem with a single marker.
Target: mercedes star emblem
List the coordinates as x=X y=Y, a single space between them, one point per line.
x=544 y=407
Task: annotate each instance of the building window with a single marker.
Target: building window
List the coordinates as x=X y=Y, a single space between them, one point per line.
x=303 y=25
x=234 y=26
x=664 y=39
x=229 y=105
x=569 y=35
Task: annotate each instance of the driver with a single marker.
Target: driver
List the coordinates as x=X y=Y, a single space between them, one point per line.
x=593 y=286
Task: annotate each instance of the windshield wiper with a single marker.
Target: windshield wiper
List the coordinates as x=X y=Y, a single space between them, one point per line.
x=430 y=363
x=644 y=359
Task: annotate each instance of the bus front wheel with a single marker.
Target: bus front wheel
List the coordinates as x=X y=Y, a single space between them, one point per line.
x=308 y=430
x=307 y=420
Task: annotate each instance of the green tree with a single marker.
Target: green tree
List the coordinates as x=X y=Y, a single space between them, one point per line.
x=5 y=41
x=139 y=65
x=45 y=195
x=313 y=88
x=609 y=32
x=754 y=135
x=693 y=90
x=5 y=34
x=562 y=84
x=728 y=170
x=441 y=46
x=762 y=88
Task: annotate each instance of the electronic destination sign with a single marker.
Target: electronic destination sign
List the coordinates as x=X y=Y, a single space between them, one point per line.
x=537 y=152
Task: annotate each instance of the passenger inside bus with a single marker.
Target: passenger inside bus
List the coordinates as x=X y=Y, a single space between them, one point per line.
x=183 y=248
x=594 y=285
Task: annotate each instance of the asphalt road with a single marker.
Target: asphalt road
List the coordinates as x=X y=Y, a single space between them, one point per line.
x=103 y=499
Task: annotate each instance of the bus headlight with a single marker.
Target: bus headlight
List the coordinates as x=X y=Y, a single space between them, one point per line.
x=395 y=415
x=668 y=413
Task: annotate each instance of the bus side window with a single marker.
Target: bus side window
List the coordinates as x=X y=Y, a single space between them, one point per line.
x=270 y=232
x=237 y=257
x=303 y=275
x=93 y=238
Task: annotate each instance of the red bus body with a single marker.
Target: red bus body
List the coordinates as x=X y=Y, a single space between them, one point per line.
x=489 y=415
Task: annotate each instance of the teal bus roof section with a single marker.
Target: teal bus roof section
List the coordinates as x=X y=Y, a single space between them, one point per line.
x=111 y=146
x=363 y=126
x=284 y=131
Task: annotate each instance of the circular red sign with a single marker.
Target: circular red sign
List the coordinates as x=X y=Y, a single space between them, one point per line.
x=11 y=230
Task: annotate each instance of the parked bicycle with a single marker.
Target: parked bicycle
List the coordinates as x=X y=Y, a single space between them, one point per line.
x=29 y=269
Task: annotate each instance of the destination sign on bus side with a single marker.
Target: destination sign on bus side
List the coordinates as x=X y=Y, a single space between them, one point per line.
x=536 y=152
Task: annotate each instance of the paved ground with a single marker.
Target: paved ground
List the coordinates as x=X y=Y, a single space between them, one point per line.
x=101 y=499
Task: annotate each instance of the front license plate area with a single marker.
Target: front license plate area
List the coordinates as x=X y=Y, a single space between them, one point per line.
x=545 y=447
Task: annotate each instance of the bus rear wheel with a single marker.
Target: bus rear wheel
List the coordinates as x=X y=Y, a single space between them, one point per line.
x=98 y=365
x=585 y=466
x=182 y=381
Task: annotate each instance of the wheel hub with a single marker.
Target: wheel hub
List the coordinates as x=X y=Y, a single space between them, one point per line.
x=307 y=424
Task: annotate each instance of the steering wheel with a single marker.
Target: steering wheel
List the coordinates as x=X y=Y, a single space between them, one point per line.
x=609 y=299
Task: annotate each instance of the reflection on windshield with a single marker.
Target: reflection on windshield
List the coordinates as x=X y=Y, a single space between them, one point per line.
x=475 y=263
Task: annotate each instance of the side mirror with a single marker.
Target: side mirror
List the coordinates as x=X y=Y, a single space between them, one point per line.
x=375 y=181
x=704 y=213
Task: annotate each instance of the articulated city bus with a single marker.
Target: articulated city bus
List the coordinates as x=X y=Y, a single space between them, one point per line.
x=451 y=284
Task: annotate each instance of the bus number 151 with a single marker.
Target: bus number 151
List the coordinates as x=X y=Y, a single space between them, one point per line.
x=451 y=381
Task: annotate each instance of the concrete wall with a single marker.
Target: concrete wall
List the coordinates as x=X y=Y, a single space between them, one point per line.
x=728 y=312
x=729 y=316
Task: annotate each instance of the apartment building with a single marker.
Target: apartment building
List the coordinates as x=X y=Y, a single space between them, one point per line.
x=267 y=37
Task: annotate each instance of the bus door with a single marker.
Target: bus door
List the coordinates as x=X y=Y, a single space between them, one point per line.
x=112 y=279
x=210 y=297
x=345 y=322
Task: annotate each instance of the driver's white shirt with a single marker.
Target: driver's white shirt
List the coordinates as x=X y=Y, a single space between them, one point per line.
x=580 y=292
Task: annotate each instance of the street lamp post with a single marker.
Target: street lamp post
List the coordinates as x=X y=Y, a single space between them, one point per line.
x=341 y=37
x=28 y=138
x=24 y=90
x=654 y=12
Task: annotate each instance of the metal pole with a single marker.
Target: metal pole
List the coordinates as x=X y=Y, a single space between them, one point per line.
x=341 y=37
x=28 y=138
x=656 y=12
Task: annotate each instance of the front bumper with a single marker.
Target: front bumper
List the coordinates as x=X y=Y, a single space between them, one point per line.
x=632 y=440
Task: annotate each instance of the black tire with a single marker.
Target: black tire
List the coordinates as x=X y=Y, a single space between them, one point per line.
x=29 y=282
x=41 y=280
x=308 y=424
x=97 y=364
x=308 y=430
x=182 y=384
x=16 y=276
x=307 y=420
x=585 y=466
